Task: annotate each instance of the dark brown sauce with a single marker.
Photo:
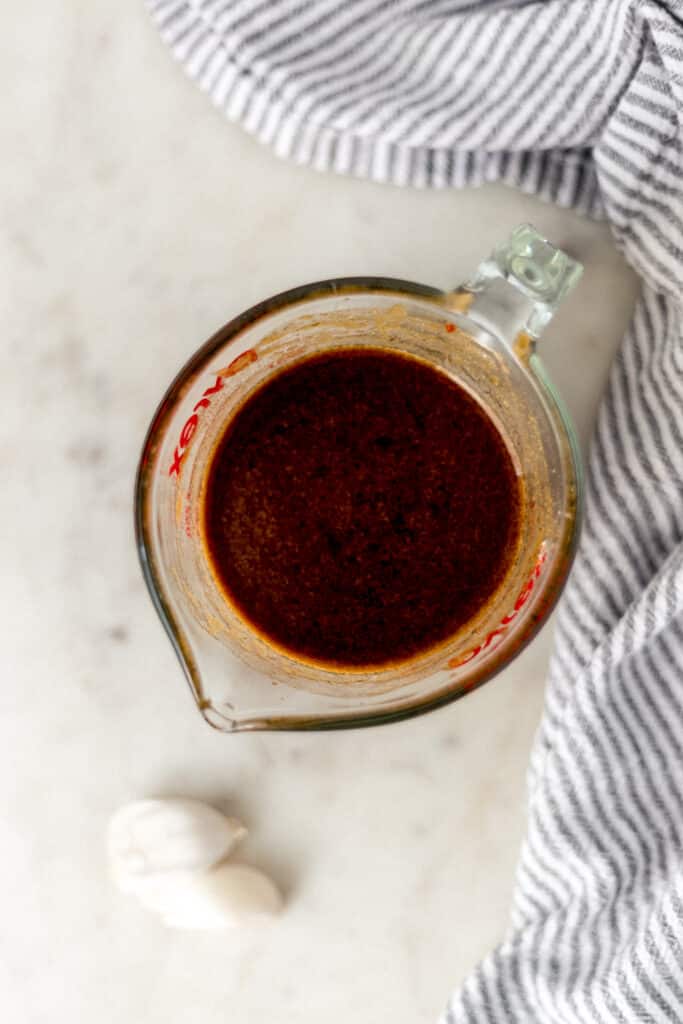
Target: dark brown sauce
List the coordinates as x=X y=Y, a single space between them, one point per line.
x=360 y=507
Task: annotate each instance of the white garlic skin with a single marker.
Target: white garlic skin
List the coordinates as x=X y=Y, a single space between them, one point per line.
x=227 y=896
x=149 y=839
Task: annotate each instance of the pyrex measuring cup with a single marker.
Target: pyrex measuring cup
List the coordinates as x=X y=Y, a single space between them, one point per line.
x=483 y=335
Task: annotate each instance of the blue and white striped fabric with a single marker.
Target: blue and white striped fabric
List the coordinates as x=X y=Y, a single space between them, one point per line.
x=580 y=102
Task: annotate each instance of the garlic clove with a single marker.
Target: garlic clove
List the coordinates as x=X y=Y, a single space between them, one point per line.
x=148 y=838
x=226 y=896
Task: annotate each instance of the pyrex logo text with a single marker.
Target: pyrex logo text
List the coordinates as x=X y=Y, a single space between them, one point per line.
x=190 y=425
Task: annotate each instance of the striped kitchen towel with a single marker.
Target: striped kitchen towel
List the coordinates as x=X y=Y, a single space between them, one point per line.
x=580 y=102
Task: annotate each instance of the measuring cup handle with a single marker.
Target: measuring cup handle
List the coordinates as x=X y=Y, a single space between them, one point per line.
x=519 y=287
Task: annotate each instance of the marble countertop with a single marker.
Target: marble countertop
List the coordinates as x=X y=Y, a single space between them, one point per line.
x=134 y=222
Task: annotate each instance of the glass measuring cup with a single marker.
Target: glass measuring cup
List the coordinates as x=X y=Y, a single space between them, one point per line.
x=483 y=335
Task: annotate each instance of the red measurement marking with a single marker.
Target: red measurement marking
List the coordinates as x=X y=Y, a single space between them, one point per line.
x=522 y=598
x=240 y=363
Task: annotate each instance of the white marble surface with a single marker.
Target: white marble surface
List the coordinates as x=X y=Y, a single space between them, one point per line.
x=134 y=222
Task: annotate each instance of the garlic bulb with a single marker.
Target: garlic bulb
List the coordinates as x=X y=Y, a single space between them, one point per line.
x=149 y=839
x=227 y=896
